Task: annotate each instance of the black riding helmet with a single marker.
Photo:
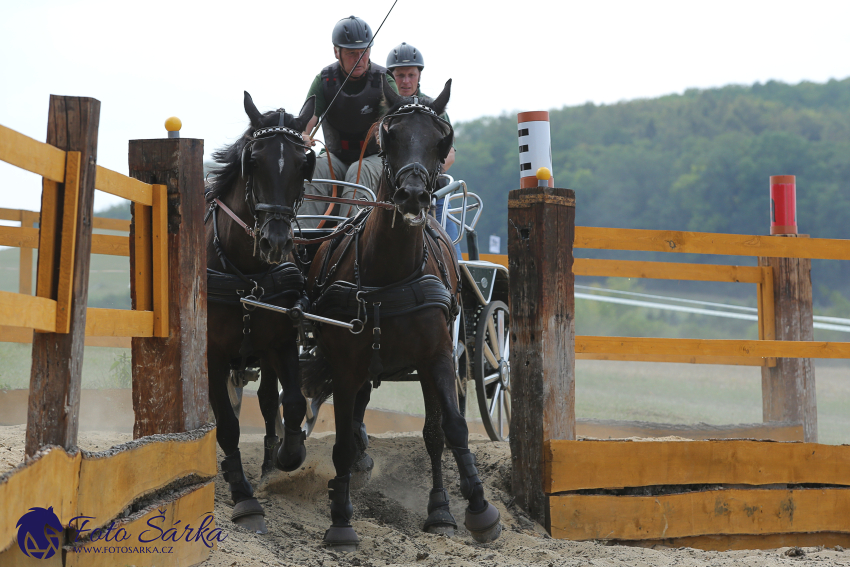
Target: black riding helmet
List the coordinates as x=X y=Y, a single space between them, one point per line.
x=404 y=55
x=352 y=33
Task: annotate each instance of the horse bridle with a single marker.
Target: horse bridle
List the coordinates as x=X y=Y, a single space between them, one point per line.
x=396 y=178
x=273 y=212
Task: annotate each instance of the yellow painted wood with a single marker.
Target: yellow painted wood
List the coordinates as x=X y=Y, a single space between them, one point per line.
x=32 y=155
x=10 y=214
x=666 y=271
x=495 y=258
x=711 y=243
x=683 y=359
x=18 y=310
x=111 y=224
x=711 y=347
x=50 y=479
x=739 y=542
x=68 y=243
x=24 y=335
x=119 y=323
x=159 y=248
x=135 y=471
x=142 y=261
x=18 y=237
x=45 y=283
x=722 y=512
x=578 y=465
x=110 y=244
x=120 y=185
x=189 y=508
x=13 y=557
x=616 y=429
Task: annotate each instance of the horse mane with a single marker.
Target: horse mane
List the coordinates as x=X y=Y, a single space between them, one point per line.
x=229 y=158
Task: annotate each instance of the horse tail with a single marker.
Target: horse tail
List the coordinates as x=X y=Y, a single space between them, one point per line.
x=316 y=380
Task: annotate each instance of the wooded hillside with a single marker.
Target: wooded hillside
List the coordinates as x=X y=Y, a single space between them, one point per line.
x=698 y=161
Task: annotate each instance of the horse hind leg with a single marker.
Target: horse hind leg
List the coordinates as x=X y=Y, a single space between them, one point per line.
x=247 y=511
x=440 y=519
x=482 y=518
x=267 y=396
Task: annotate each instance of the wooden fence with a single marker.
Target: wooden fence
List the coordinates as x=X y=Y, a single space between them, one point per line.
x=167 y=326
x=671 y=492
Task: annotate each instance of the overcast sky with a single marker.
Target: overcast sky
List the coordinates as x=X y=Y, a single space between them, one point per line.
x=146 y=61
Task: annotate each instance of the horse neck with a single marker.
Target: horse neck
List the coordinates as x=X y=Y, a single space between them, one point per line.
x=237 y=246
x=389 y=251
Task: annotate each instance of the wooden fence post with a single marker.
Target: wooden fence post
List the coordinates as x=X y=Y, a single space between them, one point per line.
x=63 y=275
x=788 y=389
x=541 y=231
x=170 y=389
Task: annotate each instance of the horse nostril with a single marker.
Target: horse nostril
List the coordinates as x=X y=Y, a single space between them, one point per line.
x=265 y=245
x=424 y=199
x=401 y=195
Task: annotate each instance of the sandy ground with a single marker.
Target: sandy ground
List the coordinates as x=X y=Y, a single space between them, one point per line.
x=390 y=509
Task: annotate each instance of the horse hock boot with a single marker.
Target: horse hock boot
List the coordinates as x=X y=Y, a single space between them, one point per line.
x=440 y=519
x=482 y=518
x=247 y=511
x=290 y=454
x=341 y=536
x=269 y=444
x=362 y=462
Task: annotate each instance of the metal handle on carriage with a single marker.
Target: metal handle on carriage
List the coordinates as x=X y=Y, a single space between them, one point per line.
x=445 y=191
x=347 y=184
x=296 y=314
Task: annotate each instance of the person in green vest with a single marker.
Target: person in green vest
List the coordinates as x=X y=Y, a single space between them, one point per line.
x=348 y=120
x=405 y=64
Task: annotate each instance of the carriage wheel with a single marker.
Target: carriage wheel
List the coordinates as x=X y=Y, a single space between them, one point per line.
x=492 y=369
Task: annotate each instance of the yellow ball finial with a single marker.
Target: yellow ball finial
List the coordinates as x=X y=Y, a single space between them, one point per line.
x=173 y=124
x=543 y=174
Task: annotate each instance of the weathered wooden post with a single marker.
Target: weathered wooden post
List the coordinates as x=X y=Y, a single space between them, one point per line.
x=63 y=275
x=788 y=389
x=541 y=231
x=170 y=389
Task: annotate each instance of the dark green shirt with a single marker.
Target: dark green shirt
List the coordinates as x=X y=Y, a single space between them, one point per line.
x=444 y=116
x=352 y=87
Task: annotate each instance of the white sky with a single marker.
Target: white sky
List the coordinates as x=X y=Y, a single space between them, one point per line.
x=146 y=61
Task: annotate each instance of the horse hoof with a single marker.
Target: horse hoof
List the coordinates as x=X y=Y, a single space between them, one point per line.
x=440 y=521
x=341 y=538
x=290 y=453
x=250 y=515
x=484 y=525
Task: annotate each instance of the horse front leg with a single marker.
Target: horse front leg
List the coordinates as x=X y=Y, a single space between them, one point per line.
x=267 y=396
x=482 y=518
x=291 y=452
x=440 y=519
x=363 y=463
x=341 y=535
x=247 y=511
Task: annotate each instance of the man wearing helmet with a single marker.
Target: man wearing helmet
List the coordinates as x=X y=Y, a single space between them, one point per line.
x=347 y=122
x=405 y=63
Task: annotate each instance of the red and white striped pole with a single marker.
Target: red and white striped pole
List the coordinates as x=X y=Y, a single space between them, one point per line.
x=535 y=147
x=783 y=204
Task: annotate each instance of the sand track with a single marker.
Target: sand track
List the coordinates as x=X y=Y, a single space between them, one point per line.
x=391 y=508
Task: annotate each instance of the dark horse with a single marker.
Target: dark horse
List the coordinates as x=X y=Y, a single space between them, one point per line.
x=260 y=179
x=396 y=273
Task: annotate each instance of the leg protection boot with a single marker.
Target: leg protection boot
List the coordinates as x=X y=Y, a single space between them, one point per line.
x=341 y=535
x=440 y=519
x=362 y=462
x=482 y=518
x=240 y=488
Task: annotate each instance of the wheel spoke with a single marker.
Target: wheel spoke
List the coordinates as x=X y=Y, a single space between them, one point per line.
x=506 y=351
x=491 y=358
x=494 y=338
x=495 y=401
x=491 y=378
x=500 y=318
x=507 y=404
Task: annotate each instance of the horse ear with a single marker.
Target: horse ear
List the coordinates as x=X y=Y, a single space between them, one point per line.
x=392 y=97
x=307 y=112
x=252 y=112
x=445 y=145
x=439 y=104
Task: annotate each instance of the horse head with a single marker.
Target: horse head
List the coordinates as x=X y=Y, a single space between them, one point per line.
x=415 y=142
x=274 y=167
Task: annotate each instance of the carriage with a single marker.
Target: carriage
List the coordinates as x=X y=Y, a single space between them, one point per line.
x=481 y=329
